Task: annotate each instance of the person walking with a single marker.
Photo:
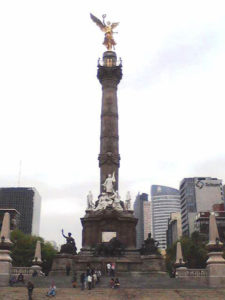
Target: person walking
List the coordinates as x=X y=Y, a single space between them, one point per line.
x=89 y=279
x=82 y=280
x=30 y=288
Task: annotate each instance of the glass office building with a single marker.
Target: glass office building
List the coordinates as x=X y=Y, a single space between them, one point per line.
x=27 y=202
x=165 y=200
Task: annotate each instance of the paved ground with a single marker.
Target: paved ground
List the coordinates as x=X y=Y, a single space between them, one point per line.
x=20 y=293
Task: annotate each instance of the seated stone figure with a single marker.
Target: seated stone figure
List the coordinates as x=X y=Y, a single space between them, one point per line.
x=150 y=246
x=70 y=246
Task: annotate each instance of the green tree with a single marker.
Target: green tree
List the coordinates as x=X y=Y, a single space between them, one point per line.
x=24 y=248
x=194 y=252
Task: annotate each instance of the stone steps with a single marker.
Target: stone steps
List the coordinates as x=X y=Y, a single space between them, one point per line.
x=138 y=281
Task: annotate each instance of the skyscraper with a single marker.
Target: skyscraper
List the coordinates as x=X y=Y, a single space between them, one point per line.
x=198 y=194
x=142 y=211
x=174 y=231
x=27 y=202
x=165 y=200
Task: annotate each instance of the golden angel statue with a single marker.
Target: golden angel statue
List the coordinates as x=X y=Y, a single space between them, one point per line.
x=109 y=41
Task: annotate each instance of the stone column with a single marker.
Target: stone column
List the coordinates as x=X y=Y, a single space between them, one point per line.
x=179 y=263
x=37 y=262
x=215 y=262
x=109 y=75
x=5 y=245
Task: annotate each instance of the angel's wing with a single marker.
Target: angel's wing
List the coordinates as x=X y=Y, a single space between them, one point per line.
x=97 y=21
x=114 y=25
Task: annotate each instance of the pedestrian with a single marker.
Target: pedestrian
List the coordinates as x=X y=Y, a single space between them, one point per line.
x=113 y=266
x=99 y=274
x=108 y=266
x=85 y=282
x=52 y=290
x=20 y=278
x=68 y=269
x=89 y=279
x=30 y=288
x=94 y=279
x=111 y=283
x=82 y=280
x=117 y=283
x=74 y=280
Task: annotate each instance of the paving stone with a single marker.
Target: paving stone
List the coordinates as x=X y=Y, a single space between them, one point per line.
x=20 y=293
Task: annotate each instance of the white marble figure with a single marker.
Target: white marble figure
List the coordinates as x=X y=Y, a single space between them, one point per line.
x=116 y=202
x=90 y=203
x=104 y=201
x=128 y=201
x=108 y=184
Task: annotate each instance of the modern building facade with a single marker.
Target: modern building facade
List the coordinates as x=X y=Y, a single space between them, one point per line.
x=202 y=222
x=27 y=202
x=174 y=231
x=142 y=211
x=198 y=194
x=165 y=200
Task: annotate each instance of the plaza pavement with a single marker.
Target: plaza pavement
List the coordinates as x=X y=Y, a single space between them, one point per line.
x=20 y=293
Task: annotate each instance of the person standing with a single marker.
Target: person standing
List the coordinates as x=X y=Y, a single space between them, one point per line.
x=89 y=279
x=30 y=288
x=82 y=280
x=108 y=266
x=68 y=269
x=113 y=266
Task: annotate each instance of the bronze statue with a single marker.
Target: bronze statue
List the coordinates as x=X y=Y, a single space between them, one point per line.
x=70 y=246
x=109 y=41
x=150 y=246
x=112 y=248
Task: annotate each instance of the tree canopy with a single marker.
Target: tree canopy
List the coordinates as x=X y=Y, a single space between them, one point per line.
x=24 y=248
x=194 y=252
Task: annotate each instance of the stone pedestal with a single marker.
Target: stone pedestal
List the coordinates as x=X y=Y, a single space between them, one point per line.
x=123 y=223
x=216 y=269
x=133 y=264
x=5 y=267
x=59 y=264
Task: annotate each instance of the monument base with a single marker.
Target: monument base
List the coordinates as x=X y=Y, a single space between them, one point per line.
x=216 y=269
x=100 y=226
x=59 y=264
x=129 y=264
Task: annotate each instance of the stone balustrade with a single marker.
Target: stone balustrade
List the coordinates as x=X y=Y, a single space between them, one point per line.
x=23 y=270
x=183 y=272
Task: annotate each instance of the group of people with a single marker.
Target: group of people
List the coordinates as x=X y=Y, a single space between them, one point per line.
x=90 y=279
x=114 y=283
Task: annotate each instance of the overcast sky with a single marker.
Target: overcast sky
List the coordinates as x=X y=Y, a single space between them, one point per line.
x=171 y=98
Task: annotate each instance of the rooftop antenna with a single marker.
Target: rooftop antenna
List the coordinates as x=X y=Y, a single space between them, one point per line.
x=19 y=173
